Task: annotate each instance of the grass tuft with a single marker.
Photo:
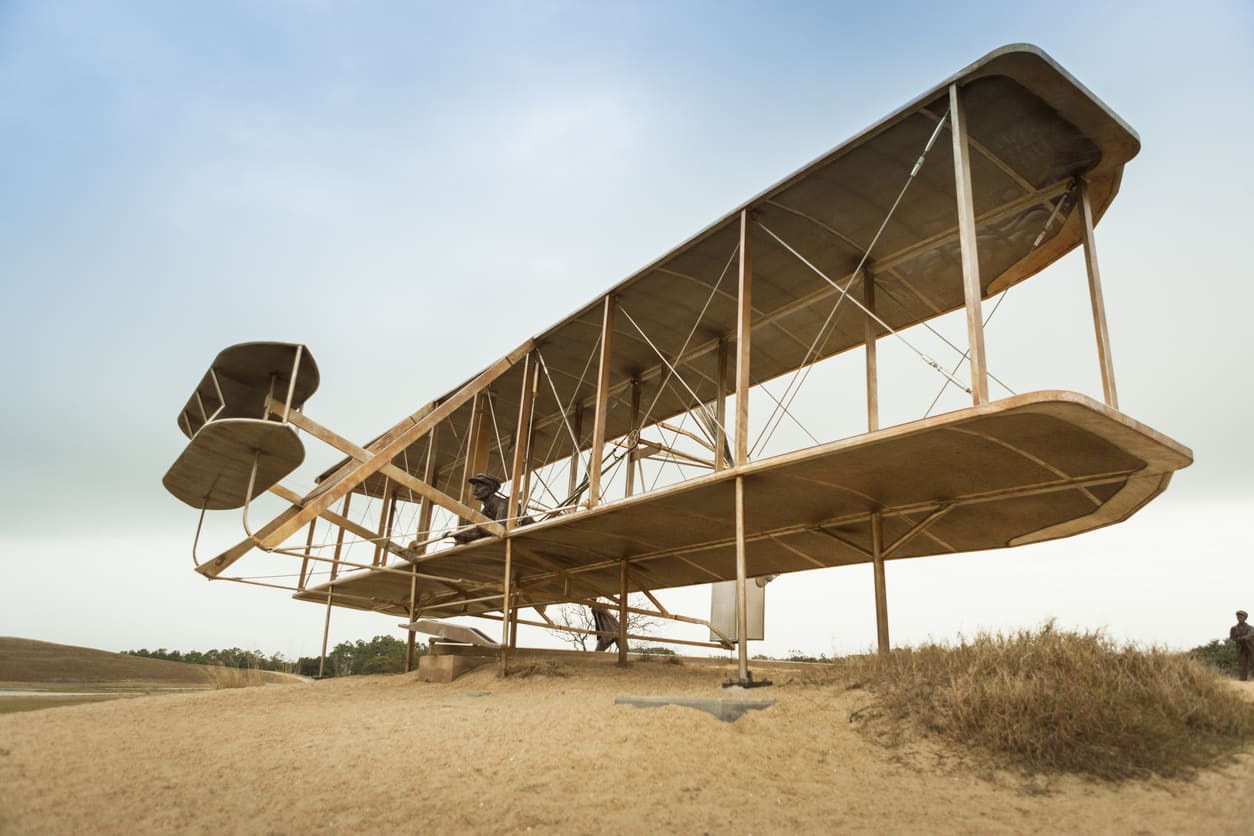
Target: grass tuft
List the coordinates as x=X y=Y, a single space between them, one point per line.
x=1053 y=701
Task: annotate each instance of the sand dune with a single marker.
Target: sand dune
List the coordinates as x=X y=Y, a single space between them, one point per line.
x=544 y=753
x=29 y=663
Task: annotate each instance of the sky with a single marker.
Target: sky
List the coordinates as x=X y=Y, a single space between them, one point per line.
x=369 y=178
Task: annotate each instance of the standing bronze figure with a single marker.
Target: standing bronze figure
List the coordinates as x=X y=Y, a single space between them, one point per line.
x=1243 y=635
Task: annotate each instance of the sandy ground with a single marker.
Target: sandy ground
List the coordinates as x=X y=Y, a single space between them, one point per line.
x=543 y=753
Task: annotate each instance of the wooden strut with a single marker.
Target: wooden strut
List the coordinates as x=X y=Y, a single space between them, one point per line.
x=971 y=286
x=602 y=403
x=1095 y=299
x=881 y=587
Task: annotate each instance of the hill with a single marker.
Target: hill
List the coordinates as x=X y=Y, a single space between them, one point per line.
x=27 y=663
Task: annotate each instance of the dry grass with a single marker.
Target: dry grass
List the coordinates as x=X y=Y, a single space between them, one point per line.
x=1052 y=701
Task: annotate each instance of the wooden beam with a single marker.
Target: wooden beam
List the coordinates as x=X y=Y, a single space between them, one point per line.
x=1095 y=298
x=869 y=337
x=881 y=586
x=396 y=474
x=386 y=507
x=522 y=440
x=917 y=529
x=971 y=286
x=622 y=612
x=720 y=407
x=507 y=594
x=744 y=327
x=426 y=506
x=633 y=436
x=602 y=403
x=577 y=430
x=478 y=446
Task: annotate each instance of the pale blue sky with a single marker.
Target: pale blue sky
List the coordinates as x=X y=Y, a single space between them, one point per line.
x=175 y=178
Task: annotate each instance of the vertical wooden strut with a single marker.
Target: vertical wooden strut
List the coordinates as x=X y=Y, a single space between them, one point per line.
x=1095 y=297
x=622 y=612
x=522 y=440
x=577 y=429
x=720 y=408
x=506 y=601
x=427 y=506
x=477 y=446
x=742 y=596
x=634 y=439
x=971 y=286
x=413 y=609
x=385 y=509
x=326 y=631
x=870 y=333
x=881 y=585
x=602 y=404
x=743 y=326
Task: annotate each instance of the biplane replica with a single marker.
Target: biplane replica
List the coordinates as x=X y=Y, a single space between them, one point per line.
x=622 y=435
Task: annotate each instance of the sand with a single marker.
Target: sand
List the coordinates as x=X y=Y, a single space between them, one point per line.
x=545 y=753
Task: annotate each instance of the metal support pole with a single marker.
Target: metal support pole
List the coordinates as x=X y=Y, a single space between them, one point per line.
x=742 y=596
x=881 y=587
x=1095 y=297
x=971 y=286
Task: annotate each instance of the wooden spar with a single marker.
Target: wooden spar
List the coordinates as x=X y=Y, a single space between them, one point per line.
x=870 y=332
x=971 y=287
x=339 y=539
x=744 y=327
x=413 y=600
x=577 y=427
x=522 y=441
x=1095 y=298
x=742 y=600
x=304 y=564
x=602 y=403
x=326 y=631
x=386 y=507
x=622 y=612
x=720 y=407
x=478 y=445
x=633 y=437
x=378 y=456
x=426 y=506
x=916 y=529
x=507 y=594
x=396 y=474
x=881 y=585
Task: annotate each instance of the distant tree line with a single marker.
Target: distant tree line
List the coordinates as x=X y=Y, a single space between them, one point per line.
x=382 y=654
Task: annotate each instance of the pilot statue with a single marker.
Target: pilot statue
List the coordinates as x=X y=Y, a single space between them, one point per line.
x=495 y=506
